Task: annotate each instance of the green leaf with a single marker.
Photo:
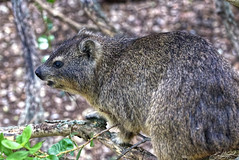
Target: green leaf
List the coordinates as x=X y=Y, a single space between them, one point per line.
x=6 y=151
x=19 y=155
x=43 y=46
x=35 y=148
x=36 y=158
x=48 y=22
x=78 y=154
x=63 y=145
x=51 y=38
x=3 y=149
x=51 y=1
x=52 y=157
x=46 y=158
x=43 y=42
x=45 y=18
x=42 y=39
x=19 y=139
x=54 y=149
x=27 y=145
x=11 y=145
x=49 y=26
x=67 y=143
x=92 y=143
x=26 y=135
x=71 y=153
x=1 y=139
x=44 y=59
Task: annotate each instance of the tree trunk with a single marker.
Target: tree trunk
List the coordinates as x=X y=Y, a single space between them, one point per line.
x=33 y=112
x=223 y=9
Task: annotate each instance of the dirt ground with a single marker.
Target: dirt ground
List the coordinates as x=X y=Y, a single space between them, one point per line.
x=138 y=17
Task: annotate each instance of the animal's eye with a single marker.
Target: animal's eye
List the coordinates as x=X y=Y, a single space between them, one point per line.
x=58 y=64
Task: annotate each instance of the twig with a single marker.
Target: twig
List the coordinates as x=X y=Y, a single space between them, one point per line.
x=83 y=129
x=97 y=16
x=75 y=25
x=99 y=25
x=145 y=139
x=105 y=28
x=81 y=146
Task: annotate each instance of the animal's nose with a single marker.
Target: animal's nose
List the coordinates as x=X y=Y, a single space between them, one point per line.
x=38 y=73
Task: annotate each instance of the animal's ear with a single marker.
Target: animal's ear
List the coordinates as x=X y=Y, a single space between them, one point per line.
x=91 y=48
x=82 y=30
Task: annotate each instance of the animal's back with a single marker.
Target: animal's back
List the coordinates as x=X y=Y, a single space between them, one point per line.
x=195 y=109
x=176 y=87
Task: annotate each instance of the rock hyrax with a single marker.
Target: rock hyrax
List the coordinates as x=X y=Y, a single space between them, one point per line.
x=174 y=87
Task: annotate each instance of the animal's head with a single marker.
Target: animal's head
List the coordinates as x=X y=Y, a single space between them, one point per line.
x=72 y=67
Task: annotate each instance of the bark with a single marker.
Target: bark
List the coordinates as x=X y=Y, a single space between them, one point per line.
x=223 y=9
x=33 y=112
x=234 y=2
x=83 y=129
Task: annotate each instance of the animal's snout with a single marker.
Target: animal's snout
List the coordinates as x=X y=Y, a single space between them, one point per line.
x=38 y=73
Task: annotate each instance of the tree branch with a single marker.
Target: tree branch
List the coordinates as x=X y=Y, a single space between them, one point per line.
x=56 y=14
x=95 y=14
x=83 y=129
x=104 y=25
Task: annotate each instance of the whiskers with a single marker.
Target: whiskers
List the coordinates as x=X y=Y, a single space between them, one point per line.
x=72 y=98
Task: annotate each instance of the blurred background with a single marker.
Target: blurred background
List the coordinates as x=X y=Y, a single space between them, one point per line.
x=215 y=20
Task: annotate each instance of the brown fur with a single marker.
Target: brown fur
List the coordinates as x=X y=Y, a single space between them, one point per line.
x=175 y=87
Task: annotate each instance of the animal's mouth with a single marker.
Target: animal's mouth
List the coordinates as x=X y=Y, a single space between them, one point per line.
x=54 y=84
x=50 y=83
